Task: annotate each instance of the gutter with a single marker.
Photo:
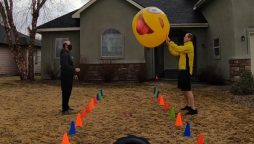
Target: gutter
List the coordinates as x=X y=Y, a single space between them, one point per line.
x=198 y=4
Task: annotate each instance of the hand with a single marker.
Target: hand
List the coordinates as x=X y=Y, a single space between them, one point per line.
x=168 y=39
x=77 y=70
x=76 y=77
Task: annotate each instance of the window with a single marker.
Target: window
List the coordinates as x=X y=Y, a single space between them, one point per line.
x=112 y=44
x=59 y=46
x=216 y=47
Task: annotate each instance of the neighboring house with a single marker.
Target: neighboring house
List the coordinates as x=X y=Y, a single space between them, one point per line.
x=101 y=34
x=230 y=35
x=7 y=63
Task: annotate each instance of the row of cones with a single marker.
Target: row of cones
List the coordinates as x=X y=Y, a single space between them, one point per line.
x=172 y=115
x=79 y=120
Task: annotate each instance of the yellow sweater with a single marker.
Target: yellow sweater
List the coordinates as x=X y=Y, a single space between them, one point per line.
x=182 y=51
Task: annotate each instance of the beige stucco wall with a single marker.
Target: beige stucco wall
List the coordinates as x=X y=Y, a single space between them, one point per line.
x=100 y=16
x=219 y=14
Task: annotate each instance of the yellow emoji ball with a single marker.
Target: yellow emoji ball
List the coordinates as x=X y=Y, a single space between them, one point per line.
x=150 y=27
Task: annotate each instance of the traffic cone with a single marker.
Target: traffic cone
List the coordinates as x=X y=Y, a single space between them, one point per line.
x=65 y=139
x=172 y=113
x=79 y=121
x=187 y=131
x=91 y=104
x=72 y=130
x=166 y=106
x=101 y=92
x=83 y=113
x=157 y=93
x=99 y=97
x=156 y=77
x=179 y=121
x=88 y=109
x=95 y=101
x=161 y=100
x=154 y=90
x=201 y=138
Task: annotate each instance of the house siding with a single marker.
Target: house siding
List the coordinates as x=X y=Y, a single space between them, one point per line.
x=219 y=15
x=49 y=63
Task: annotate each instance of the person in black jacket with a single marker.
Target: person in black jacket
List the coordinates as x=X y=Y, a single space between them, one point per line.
x=67 y=74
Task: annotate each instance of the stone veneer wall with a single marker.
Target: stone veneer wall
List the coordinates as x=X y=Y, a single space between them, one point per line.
x=238 y=66
x=120 y=72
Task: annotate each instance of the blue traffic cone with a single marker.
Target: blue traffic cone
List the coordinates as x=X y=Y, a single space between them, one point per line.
x=72 y=130
x=187 y=131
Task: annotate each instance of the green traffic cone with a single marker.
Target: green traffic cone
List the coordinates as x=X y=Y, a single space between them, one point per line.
x=99 y=95
x=156 y=93
x=172 y=113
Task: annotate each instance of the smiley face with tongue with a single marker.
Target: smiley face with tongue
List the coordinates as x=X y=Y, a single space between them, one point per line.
x=151 y=27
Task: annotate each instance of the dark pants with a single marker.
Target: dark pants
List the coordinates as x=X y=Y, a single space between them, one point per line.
x=66 y=86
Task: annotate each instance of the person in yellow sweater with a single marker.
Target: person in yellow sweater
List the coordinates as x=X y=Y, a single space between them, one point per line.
x=185 y=66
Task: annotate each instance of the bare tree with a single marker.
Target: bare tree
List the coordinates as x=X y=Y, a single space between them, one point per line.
x=6 y=11
x=30 y=14
x=36 y=7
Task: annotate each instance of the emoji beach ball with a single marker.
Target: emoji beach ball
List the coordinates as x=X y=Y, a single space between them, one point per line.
x=150 y=27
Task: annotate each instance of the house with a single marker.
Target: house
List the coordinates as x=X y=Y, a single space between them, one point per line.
x=92 y=28
x=230 y=35
x=101 y=34
x=7 y=63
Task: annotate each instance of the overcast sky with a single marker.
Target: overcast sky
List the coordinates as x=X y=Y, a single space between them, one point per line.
x=52 y=9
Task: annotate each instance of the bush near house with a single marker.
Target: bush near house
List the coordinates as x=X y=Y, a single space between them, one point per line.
x=211 y=75
x=244 y=86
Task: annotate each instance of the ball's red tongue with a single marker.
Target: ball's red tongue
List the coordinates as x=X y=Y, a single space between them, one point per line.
x=142 y=27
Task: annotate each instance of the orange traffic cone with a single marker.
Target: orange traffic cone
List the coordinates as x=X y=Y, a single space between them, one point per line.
x=88 y=109
x=83 y=113
x=201 y=138
x=79 y=121
x=161 y=100
x=166 y=105
x=179 y=121
x=65 y=139
x=91 y=104
x=95 y=101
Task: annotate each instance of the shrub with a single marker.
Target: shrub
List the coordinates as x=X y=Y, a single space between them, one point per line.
x=244 y=86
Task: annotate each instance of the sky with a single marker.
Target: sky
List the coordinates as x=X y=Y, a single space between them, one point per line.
x=51 y=10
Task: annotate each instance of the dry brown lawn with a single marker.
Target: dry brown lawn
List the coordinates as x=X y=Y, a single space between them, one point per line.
x=30 y=114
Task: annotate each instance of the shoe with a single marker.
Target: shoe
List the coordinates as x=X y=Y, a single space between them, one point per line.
x=192 y=112
x=186 y=108
x=67 y=112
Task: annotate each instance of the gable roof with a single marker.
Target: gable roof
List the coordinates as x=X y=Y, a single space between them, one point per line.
x=77 y=14
x=62 y=22
x=199 y=4
x=24 y=39
x=179 y=12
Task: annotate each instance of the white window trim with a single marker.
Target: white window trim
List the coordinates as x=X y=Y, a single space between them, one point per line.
x=219 y=47
x=55 y=57
x=112 y=57
x=249 y=32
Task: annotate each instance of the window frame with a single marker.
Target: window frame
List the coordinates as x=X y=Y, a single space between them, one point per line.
x=101 y=46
